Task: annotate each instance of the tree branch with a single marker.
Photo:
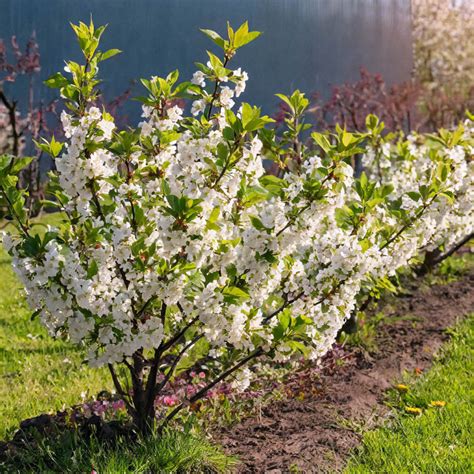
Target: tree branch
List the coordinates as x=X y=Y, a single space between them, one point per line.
x=120 y=390
x=216 y=90
x=198 y=395
x=179 y=335
x=11 y=107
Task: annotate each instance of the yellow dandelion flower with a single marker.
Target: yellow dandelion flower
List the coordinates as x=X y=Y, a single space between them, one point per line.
x=401 y=388
x=438 y=403
x=414 y=410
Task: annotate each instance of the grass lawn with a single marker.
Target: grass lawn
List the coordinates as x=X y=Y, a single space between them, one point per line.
x=37 y=373
x=172 y=452
x=440 y=439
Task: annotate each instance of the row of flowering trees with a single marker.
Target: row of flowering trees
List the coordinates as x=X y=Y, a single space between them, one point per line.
x=177 y=245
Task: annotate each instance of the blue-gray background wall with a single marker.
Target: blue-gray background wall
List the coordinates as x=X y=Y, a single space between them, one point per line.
x=307 y=44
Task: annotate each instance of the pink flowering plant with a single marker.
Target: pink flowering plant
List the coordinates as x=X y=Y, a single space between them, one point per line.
x=177 y=247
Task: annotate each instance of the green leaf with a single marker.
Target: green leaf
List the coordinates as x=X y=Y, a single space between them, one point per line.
x=32 y=246
x=386 y=190
x=55 y=147
x=93 y=269
x=371 y=122
x=242 y=36
x=257 y=223
x=285 y=319
x=251 y=119
x=216 y=37
x=175 y=203
x=5 y=162
x=230 y=33
x=20 y=163
x=299 y=346
x=140 y=218
x=56 y=81
x=286 y=99
x=322 y=141
x=344 y=216
x=213 y=217
x=233 y=294
x=172 y=77
x=273 y=184
x=216 y=63
x=253 y=195
x=449 y=195
x=253 y=35
x=413 y=195
x=347 y=138
x=109 y=54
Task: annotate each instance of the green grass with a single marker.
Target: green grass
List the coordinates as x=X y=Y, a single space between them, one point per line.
x=37 y=374
x=453 y=268
x=173 y=452
x=439 y=440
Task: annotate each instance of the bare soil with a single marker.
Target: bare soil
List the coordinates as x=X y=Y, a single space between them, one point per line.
x=317 y=431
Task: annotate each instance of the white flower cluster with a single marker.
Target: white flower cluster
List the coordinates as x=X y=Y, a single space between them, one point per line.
x=225 y=95
x=76 y=169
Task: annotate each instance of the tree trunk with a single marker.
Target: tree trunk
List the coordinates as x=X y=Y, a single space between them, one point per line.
x=144 y=420
x=144 y=408
x=429 y=262
x=436 y=256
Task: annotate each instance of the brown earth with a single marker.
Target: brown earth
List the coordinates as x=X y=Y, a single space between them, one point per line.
x=317 y=433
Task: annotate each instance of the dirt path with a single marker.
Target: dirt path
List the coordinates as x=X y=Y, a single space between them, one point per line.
x=317 y=433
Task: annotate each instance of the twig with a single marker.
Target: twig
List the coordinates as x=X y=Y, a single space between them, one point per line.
x=198 y=395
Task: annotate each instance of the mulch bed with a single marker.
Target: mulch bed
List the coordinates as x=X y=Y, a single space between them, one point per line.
x=316 y=433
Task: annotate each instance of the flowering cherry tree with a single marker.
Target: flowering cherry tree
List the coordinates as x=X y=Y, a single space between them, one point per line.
x=176 y=245
x=408 y=164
